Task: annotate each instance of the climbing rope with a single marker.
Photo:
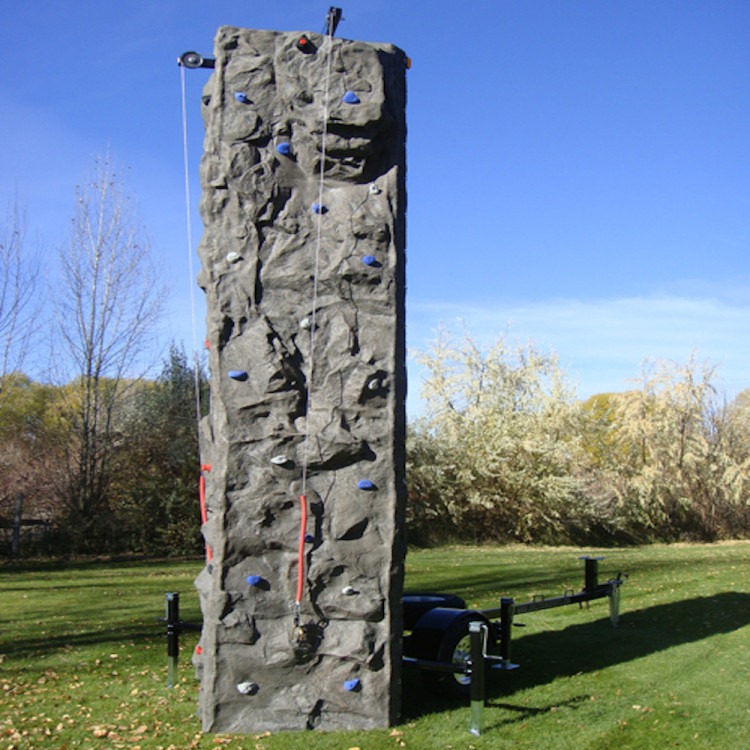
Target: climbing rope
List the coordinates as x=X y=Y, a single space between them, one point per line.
x=196 y=371
x=319 y=212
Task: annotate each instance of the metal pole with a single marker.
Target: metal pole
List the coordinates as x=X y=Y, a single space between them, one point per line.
x=591 y=572
x=173 y=635
x=507 y=605
x=478 y=635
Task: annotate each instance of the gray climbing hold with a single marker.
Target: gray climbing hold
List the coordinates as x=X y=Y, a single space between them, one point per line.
x=374 y=385
x=280 y=460
x=374 y=189
x=248 y=688
x=233 y=257
x=349 y=591
x=305 y=323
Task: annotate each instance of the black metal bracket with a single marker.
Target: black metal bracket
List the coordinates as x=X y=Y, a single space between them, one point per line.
x=194 y=60
x=332 y=20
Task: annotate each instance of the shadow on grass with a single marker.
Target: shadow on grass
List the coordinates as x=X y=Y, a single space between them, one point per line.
x=588 y=647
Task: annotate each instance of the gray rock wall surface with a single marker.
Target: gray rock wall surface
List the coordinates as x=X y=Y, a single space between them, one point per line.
x=303 y=179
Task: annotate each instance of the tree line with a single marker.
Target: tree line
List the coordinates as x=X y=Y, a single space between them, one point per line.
x=97 y=457
x=506 y=452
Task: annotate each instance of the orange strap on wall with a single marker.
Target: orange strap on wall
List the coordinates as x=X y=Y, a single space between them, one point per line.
x=202 y=496
x=301 y=549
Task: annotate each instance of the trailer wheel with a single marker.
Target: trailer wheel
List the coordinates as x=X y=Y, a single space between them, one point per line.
x=455 y=648
x=418 y=604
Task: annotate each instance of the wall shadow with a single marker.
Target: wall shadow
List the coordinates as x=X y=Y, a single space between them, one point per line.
x=587 y=647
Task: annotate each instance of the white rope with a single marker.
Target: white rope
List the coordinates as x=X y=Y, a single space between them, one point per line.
x=313 y=315
x=189 y=235
x=316 y=264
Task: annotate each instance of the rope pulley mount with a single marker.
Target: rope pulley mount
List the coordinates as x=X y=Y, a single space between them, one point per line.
x=194 y=60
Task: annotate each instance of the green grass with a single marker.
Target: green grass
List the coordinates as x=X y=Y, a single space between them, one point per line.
x=83 y=662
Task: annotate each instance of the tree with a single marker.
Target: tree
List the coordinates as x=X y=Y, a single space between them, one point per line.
x=19 y=276
x=155 y=496
x=106 y=307
x=29 y=465
x=497 y=449
x=676 y=459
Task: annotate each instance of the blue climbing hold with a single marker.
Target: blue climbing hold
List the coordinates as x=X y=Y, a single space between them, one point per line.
x=254 y=580
x=309 y=538
x=370 y=260
x=242 y=97
x=353 y=684
x=351 y=98
x=365 y=484
x=284 y=148
x=319 y=208
x=240 y=375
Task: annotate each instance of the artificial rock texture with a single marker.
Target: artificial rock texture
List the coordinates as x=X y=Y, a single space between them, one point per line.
x=303 y=204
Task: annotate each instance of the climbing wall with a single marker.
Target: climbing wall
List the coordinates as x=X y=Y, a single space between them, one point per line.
x=303 y=452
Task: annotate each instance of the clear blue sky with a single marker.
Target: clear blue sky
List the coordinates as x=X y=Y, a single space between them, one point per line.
x=579 y=170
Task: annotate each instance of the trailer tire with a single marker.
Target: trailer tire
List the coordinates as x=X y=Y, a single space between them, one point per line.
x=442 y=635
x=455 y=648
x=417 y=604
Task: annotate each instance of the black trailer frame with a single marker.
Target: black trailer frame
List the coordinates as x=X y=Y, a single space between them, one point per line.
x=442 y=630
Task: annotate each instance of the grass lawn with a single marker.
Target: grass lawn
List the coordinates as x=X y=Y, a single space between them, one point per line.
x=83 y=661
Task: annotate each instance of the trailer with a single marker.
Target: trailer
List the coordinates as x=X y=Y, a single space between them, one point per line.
x=456 y=646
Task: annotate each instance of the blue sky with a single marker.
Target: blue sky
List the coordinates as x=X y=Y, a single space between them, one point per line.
x=579 y=170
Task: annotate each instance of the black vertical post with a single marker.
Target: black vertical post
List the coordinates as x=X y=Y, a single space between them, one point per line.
x=507 y=605
x=173 y=635
x=591 y=582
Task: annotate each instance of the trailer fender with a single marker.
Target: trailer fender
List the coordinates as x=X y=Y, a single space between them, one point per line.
x=416 y=605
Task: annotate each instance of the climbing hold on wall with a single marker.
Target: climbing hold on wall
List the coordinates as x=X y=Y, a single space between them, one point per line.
x=375 y=189
x=284 y=148
x=319 y=208
x=248 y=688
x=408 y=63
x=242 y=97
x=351 y=98
x=370 y=260
x=240 y=375
x=305 y=323
x=374 y=385
x=349 y=591
x=233 y=257
x=280 y=460
x=366 y=484
x=254 y=580
x=353 y=684
x=199 y=650
x=309 y=538
x=304 y=44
